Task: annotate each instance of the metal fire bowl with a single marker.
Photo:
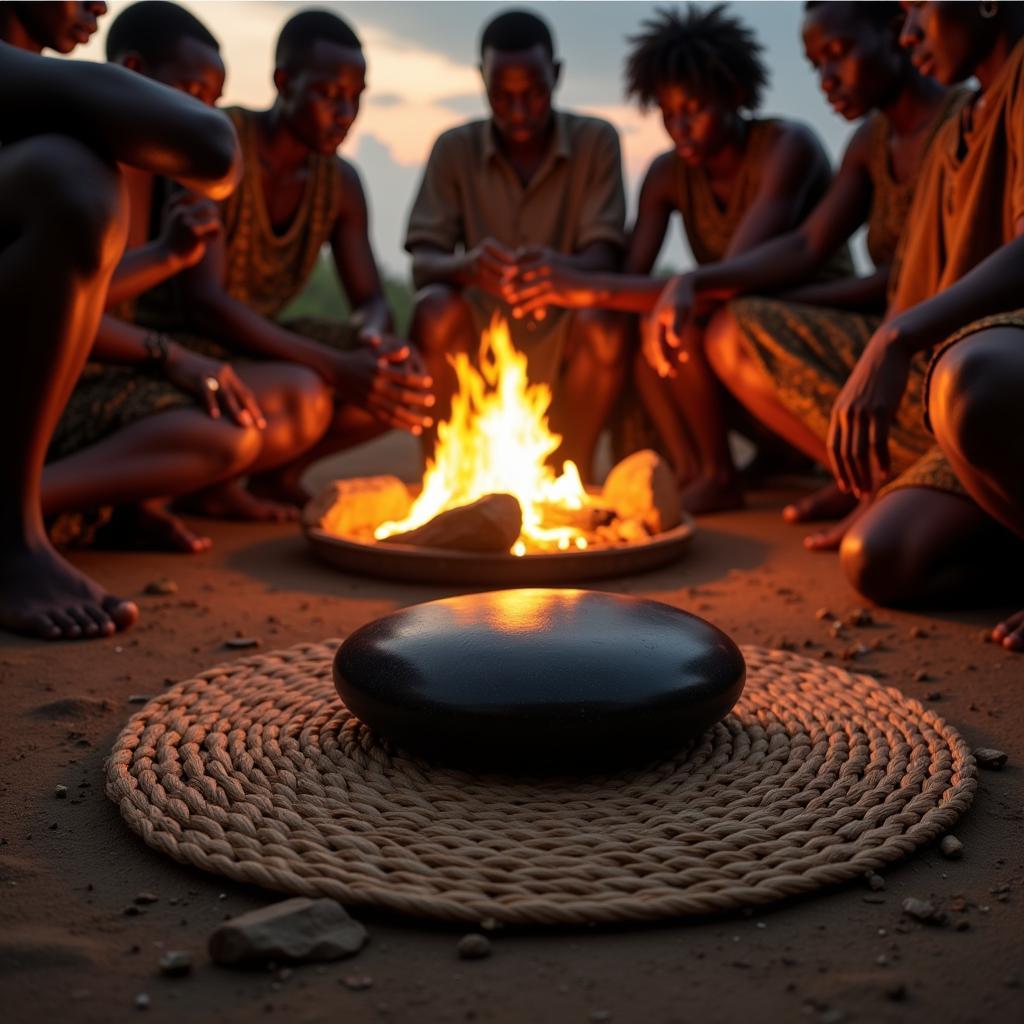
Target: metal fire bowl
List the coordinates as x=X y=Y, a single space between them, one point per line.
x=434 y=565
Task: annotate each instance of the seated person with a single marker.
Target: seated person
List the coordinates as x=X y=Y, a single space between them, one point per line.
x=736 y=179
x=296 y=196
x=62 y=126
x=110 y=445
x=527 y=188
x=864 y=73
x=168 y=44
x=947 y=529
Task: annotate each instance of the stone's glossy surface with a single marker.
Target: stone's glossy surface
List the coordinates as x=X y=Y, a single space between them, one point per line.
x=532 y=680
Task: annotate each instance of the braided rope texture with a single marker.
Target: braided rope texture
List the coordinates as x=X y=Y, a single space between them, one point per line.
x=255 y=770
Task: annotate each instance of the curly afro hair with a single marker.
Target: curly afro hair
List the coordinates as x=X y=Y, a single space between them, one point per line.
x=707 y=50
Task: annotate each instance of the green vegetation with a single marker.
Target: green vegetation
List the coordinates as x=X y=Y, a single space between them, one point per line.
x=323 y=297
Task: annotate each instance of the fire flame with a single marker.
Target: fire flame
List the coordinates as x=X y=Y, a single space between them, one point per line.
x=497 y=441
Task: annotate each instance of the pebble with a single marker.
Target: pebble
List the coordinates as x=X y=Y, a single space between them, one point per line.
x=920 y=676
x=823 y=613
x=139 y=698
x=298 y=930
x=240 y=642
x=146 y=897
x=162 y=587
x=142 y=1001
x=61 y=792
x=989 y=758
x=175 y=963
x=917 y=633
x=357 y=982
x=922 y=910
x=951 y=847
x=860 y=617
x=876 y=883
x=474 y=946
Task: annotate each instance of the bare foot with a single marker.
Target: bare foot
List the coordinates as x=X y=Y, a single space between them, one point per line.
x=233 y=501
x=281 y=487
x=830 y=539
x=151 y=527
x=1010 y=634
x=709 y=494
x=42 y=595
x=827 y=502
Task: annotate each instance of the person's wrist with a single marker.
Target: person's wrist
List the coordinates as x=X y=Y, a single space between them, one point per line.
x=159 y=349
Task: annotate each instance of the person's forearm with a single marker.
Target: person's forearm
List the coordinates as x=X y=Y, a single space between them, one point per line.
x=993 y=286
x=866 y=294
x=373 y=315
x=781 y=263
x=143 y=124
x=440 y=268
x=140 y=269
x=626 y=293
x=243 y=330
x=120 y=343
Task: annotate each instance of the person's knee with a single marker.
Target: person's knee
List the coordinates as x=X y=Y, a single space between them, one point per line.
x=879 y=563
x=230 y=449
x=605 y=337
x=307 y=403
x=79 y=196
x=440 y=315
x=723 y=347
x=973 y=401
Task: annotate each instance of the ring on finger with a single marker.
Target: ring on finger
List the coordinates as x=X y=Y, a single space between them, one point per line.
x=212 y=384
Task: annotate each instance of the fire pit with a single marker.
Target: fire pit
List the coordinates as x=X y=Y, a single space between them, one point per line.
x=491 y=508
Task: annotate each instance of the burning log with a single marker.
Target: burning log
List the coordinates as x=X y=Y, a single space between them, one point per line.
x=641 y=487
x=587 y=519
x=492 y=523
x=356 y=507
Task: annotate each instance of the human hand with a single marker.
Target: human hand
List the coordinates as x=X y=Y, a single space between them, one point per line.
x=858 y=434
x=545 y=278
x=216 y=385
x=663 y=331
x=385 y=343
x=489 y=266
x=384 y=380
x=189 y=221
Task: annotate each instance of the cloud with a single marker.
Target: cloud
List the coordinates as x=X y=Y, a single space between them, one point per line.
x=470 y=104
x=385 y=99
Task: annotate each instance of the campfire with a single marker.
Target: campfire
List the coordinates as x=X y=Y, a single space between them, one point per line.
x=490 y=486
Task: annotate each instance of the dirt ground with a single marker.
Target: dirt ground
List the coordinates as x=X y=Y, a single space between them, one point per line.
x=69 y=868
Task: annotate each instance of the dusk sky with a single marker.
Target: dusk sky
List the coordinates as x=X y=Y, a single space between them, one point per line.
x=423 y=79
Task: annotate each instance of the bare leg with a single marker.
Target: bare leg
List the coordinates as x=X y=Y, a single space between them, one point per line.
x=167 y=454
x=671 y=427
x=921 y=547
x=297 y=407
x=589 y=386
x=63 y=224
x=442 y=325
x=975 y=405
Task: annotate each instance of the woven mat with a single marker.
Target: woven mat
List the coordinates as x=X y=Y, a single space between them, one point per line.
x=256 y=771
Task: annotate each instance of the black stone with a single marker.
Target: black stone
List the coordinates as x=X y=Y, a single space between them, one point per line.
x=539 y=680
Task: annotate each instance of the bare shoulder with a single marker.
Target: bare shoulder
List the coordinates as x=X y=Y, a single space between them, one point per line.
x=661 y=175
x=794 y=140
x=350 y=184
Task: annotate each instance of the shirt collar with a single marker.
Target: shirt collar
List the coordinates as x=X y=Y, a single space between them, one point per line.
x=560 y=146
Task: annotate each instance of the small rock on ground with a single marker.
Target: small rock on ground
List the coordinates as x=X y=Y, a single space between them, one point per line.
x=989 y=758
x=474 y=946
x=162 y=587
x=175 y=964
x=240 y=642
x=298 y=930
x=922 y=910
x=951 y=848
x=61 y=792
x=357 y=982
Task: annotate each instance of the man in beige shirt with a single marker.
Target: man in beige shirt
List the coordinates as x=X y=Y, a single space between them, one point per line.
x=503 y=197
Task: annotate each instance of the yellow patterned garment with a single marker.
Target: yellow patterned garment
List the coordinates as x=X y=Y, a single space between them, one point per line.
x=264 y=269
x=808 y=352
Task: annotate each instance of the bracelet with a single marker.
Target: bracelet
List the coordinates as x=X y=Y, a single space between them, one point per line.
x=157 y=346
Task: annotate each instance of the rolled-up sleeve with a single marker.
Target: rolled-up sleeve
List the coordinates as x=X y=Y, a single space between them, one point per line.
x=436 y=215
x=603 y=215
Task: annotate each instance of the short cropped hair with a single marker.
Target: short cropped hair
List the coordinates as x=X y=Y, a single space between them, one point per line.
x=303 y=30
x=153 y=29
x=514 y=31
x=880 y=14
x=707 y=50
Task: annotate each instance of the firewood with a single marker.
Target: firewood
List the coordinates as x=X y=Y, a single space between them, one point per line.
x=642 y=487
x=492 y=523
x=356 y=507
x=588 y=518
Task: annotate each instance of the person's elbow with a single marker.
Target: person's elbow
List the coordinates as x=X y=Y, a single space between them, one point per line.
x=216 y=157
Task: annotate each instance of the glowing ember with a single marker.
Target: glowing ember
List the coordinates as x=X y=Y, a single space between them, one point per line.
x=497 y=441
